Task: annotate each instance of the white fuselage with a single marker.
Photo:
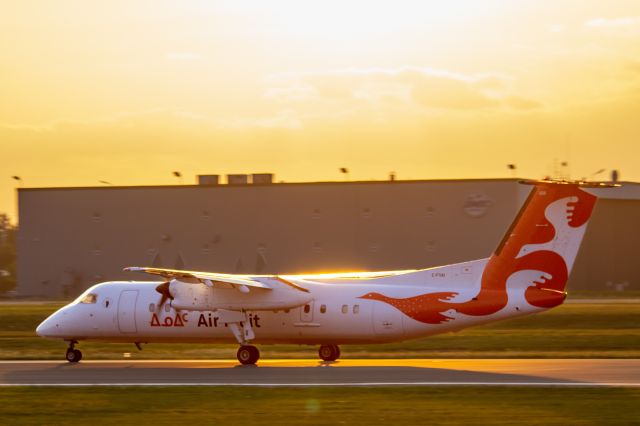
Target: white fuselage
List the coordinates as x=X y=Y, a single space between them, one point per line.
x=335 y=312
x=527 y=273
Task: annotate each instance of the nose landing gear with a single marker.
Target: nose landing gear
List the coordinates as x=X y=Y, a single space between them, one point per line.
x=248 y=354
x=329 y=352
x=73 y=355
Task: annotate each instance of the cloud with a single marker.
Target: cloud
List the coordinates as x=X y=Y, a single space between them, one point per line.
x=183 y=56
x=517 y=102
x=614 y=23
x=296 y=92
x=285 y=119
x=163 y=120
x=634 y=67
x=625 y=26
x=449 y=93
x=556 y=28
x=388 y=72
x=419 y=87
x=293 y=100
x=121 y=120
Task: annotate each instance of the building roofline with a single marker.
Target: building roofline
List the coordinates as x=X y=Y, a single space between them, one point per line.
x=251 y=185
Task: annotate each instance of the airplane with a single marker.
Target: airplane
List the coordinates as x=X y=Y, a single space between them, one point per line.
x=527 y=273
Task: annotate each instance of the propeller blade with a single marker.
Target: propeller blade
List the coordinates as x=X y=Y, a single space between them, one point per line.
x=163 y=289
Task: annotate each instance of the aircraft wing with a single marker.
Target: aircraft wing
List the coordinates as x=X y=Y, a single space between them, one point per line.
x=207 y=278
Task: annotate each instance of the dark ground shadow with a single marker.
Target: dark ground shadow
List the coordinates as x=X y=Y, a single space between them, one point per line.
x=323 y=373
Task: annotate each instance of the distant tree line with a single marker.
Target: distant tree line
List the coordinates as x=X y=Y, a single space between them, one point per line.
x=8 y=234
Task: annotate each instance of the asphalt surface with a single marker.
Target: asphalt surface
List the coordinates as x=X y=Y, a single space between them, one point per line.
x=350 y=372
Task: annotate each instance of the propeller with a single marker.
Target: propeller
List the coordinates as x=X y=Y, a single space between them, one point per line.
x=163 y=289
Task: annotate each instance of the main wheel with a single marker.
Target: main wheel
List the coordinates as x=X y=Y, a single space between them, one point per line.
x=329 y=352
x=73 y=355
x=248 y=354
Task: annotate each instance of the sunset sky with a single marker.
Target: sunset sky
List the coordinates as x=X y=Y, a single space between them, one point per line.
x=129 y=91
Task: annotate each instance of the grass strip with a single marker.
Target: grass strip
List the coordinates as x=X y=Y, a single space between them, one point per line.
x=306 y=406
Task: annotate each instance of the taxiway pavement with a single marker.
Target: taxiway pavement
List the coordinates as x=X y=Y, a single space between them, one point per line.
x=307 y=372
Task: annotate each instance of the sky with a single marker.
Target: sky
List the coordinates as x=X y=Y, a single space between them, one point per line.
x=126 y=92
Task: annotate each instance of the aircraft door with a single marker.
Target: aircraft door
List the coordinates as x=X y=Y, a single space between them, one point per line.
x=387 y=320
x=127 y=311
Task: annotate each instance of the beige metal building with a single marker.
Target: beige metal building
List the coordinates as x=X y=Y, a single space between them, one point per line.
x=71 y=238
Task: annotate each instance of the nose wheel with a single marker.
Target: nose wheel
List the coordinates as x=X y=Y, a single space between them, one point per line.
x=248 y=354
x=73 y=355
x=329 y=352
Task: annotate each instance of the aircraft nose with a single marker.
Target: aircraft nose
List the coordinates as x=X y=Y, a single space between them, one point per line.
x=48 y=327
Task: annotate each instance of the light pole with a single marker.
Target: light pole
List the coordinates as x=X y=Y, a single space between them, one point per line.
x=597 y=173
x=345 y=172
x=17 y=197
x=615 y=176
x=565 y=170
x=594 y=174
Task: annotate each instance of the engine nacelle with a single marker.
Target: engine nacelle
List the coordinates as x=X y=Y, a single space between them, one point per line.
x=196 y=296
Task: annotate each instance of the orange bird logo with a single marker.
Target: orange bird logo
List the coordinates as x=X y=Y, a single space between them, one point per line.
x=530 y=227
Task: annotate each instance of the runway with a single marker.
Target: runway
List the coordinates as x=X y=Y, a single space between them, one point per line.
x=306 y=372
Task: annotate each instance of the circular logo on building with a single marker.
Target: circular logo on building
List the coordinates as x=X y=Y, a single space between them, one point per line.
x=477 y=204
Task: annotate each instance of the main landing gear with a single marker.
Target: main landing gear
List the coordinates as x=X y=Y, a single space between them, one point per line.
x=241 y=327
x=248 y=354
x=329 y=352
x=73 y=355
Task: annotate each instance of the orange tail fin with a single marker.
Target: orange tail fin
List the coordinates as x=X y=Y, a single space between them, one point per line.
x=545 y=237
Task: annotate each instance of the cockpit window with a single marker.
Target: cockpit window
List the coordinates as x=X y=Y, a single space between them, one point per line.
x=89 y=298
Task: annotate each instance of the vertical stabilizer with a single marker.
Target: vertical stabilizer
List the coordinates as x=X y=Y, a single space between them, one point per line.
x=531 y=265
x=544 y=237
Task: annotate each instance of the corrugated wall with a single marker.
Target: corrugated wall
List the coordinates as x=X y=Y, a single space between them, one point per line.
x=72 y=238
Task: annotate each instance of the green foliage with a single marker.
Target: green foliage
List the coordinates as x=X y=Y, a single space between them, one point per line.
x=8 y=234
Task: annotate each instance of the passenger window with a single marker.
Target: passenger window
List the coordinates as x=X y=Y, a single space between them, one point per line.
x=89 y=298
x=345 y=309
x=307 y=308
x=152 y=307
x=107 y=302
x=167 y=308
x=356 y=309
x=323 y=309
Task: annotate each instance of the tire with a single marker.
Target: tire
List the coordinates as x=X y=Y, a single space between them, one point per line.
x=73 y=355
x=248 y=355
x=337 y=351
x=329 y=352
